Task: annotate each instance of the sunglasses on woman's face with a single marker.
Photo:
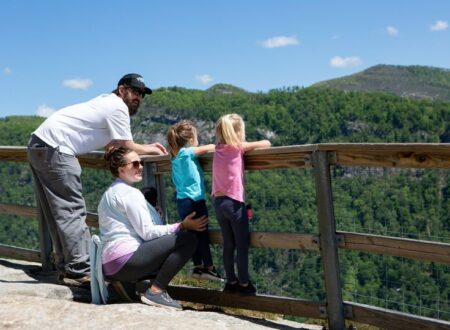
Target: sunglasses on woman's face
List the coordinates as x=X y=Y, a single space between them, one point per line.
x=136 y=163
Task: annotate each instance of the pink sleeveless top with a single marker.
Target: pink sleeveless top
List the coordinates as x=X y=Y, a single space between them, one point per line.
x=228 y=171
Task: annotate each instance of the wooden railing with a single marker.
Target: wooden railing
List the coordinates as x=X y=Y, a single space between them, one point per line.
x=327 y=241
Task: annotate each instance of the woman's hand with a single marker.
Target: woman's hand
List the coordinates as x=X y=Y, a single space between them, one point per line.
x=197 y=224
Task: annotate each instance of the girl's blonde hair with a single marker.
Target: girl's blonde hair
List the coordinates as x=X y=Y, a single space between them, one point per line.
x=179 y=135
x=230 y=129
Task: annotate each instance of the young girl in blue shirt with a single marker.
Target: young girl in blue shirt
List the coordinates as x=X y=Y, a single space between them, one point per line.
x=187 y=175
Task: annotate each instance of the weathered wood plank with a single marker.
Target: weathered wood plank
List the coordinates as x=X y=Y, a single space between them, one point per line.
x=92 y=220
x=274 y=240
x=20 y=210
x=30 y=211
x=19 y=154
x=13 y=154
x=297 y=241
x=93 y=160
x=401 y=159
x=403 y=155
x=399 y=247
x=263 y=303
x=443 y=148
x=18 y=253
x=259 y=159
x=388 y=319
x=257 y=239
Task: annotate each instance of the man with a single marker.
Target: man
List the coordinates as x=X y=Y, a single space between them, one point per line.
x=101 y=122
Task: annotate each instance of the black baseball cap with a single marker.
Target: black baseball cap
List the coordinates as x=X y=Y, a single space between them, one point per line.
x=134 y=80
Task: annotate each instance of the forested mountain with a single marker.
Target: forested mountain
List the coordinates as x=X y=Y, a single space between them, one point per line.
x=418 y=82
x=298 y=115
x=404 y=203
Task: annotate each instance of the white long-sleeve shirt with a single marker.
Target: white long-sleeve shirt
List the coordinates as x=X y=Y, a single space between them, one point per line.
x=126 y=220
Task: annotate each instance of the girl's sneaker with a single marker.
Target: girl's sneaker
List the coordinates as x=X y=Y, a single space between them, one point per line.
x=231 y=287
x=211 y=274
x=197 y=273
x=248 y=290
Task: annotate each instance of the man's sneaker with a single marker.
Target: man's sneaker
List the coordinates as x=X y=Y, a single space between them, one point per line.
x=197 y=273
x=161 y=299
x=231 y=287
x=248 y=290
x=211 y=274
x=83 y=281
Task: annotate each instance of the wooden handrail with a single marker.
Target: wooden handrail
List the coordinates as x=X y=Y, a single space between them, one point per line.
x=396 y=155
x=19 y=154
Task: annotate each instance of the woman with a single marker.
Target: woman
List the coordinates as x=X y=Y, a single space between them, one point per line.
x=136 y=243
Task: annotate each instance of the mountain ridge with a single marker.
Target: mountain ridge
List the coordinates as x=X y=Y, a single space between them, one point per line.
x=415 y=81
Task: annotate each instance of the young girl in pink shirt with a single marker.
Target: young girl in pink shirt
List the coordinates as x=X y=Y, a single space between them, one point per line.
x=229 y=204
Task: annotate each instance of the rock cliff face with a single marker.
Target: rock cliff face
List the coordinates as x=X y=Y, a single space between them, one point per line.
x=32 y=300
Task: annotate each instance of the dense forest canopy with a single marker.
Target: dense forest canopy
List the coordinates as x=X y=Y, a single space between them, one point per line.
x=403 y=203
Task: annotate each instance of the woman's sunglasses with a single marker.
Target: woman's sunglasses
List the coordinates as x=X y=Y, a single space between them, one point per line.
x=135 y=163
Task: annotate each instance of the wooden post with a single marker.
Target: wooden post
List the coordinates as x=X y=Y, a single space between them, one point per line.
x=328 y=240
x=155 y=181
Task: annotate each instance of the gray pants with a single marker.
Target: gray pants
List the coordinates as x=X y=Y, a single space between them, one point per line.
x=61 y=205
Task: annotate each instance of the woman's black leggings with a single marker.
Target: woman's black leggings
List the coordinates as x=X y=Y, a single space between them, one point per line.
x=164 y=256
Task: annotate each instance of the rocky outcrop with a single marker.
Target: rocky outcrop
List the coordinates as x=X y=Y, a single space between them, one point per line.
x=30 y=299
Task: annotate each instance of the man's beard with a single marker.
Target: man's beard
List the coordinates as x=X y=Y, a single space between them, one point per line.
x=133 y=105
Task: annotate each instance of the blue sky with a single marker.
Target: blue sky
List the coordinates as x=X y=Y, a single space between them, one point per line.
x=55 y=53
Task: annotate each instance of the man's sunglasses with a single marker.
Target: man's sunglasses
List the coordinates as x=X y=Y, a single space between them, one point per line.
x=137 y=91
x=135 y=163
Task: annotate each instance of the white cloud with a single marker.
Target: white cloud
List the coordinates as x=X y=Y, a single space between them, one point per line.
x=280 y=41
x=392 y=31
x=439 y=26
x=44 y=111
x=7 y=71
x=205 y=79
x=345 y=62
x=82 y=84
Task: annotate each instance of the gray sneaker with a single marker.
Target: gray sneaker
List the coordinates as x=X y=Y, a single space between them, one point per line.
x=161 y=299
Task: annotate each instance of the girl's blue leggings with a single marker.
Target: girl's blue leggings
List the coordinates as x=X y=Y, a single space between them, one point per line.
x=202 y=255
